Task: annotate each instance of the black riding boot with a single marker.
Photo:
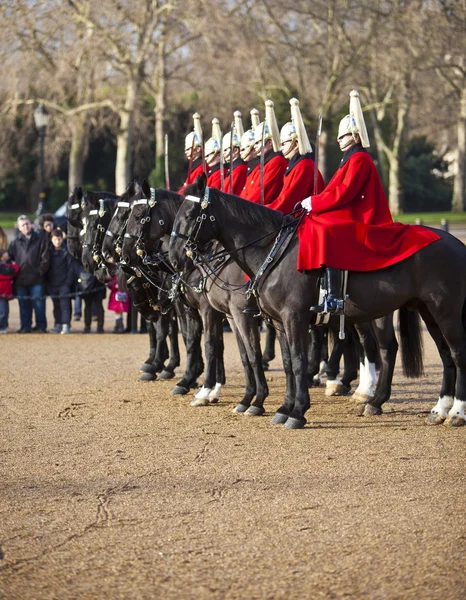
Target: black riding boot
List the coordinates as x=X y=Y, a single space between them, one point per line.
x=333 y=303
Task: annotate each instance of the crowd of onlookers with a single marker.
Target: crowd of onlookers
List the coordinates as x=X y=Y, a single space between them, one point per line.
x=37 y=265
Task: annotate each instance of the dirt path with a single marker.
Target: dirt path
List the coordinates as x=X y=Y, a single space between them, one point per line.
x=112 y=488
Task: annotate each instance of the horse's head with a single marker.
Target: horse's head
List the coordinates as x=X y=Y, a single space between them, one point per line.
x=151 y=218
x=195 y=224
x=96 y=218
x=74 y=210
x=113 y=241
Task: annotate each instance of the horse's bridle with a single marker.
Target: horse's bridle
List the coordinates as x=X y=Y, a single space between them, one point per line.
x=120 y=235
x=192 y=242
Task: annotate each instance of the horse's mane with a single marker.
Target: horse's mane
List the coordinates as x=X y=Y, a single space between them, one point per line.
x=244 y=211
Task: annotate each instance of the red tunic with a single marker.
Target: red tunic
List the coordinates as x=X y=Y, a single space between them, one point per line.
x=240 y=173
x=274 y=168
x=196 y=170
x=298 y=184
x=214 y=179
x=350 y=226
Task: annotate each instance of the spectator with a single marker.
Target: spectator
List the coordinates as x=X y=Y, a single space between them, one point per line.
x=8 y=270
x=30 y=251
x=3 y=240
x=119 y=303
x=46 y=224
x=59 y=281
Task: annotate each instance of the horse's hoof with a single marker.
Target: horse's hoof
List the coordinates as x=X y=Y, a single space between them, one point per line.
x=265 y=365
x=279 y=418
x=255 y=411
x=361 y=398
x=166 y=374
x=371 y=411
x=213 y=400
x=147 y=368
x=336 y=389
x=435 y=419
x=240 y=408
x=148 y=377
x=454 y=421
x=199 y=402
x=179 y=390
x=293 y=423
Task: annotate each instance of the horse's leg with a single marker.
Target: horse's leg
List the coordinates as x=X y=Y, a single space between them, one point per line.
x=447 y=391
x=250 y=390
x=147 y=368
x=334 y=386
x=297 y=336
x=161 y=351
x=365 y=391
x=191 y=330
x=169 y=370
x=269 y=350
x=351 y=353
x=316 y=341
x=213 y=340
x=388 y=348
x=282 y=414
x=452 y=325
x=220 y=378
x=248 y=338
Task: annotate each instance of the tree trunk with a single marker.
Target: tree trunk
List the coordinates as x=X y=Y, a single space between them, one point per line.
x=459 y=200
x=124 y=138
x=159 y=113
x=78 y=151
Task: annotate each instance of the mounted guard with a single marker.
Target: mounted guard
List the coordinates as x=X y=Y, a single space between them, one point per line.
x=213 y=156
x=265 y=178
x=298 y=181
x=237 y=167
x=349 y=226
x=193 y=152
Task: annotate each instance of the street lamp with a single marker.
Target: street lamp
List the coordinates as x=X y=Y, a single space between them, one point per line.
x=41 y=118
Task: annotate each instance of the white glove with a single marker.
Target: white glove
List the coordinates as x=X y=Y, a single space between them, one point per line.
x=307 y=204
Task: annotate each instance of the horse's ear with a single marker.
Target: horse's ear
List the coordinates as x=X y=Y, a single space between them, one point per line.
x=79 y=192
x=201 y=183
x=132 y=189
x=90 y=197
x=146 y=188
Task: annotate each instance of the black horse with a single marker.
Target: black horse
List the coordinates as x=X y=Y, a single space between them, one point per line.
x=161 y=325
x=216 y=291
x=432 y=281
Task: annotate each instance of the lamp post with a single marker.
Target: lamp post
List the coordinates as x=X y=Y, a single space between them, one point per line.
x=41 y=118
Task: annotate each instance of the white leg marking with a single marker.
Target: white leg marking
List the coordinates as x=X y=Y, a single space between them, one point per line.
x=443 y=406
x=215 y=393
x=457 y=410
x=203 y=393
x=367 y=379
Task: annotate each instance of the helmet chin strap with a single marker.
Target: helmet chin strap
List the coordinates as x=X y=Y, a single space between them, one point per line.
x=290 y=149
x=351 y=142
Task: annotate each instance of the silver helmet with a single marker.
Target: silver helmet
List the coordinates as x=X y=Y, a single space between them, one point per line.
x=247 y=143
x=354 y=122
x=227 y=142
x=211 y=149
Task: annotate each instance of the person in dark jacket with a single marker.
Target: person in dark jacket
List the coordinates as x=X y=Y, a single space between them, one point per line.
x=59 y=281
x=30 y=251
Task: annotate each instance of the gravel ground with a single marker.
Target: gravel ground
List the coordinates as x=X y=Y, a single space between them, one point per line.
x=113 y=488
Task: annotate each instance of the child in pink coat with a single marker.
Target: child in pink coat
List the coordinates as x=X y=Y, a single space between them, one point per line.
x=119 y=303
x=8 y=270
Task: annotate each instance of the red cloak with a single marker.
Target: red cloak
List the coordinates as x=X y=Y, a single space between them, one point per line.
x=240 y=173
x=274 y=168
x=350 y=226
x=196 y=170
x=298 y=183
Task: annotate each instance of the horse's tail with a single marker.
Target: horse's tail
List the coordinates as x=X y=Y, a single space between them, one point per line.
x=411 y=342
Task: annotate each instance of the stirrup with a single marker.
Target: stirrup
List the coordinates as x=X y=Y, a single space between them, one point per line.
x=331 y=304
